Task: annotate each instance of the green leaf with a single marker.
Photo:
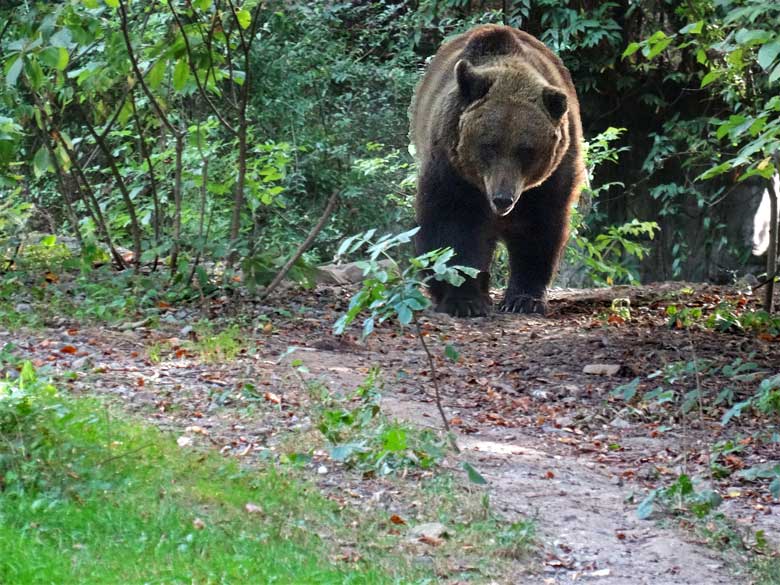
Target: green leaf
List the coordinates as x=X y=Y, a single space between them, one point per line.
x=734 y=411
x=658 y=47
x=474 y=475
x=631 y=49
x=394 y=439
x=404 y=314
x=693 y=28
x=180 y=74
x=156 y=73
x=774 y=488
x=451 y=353
x=49 y=240
x=12 y=73
x=112 y=3
x=752 y=37
x=645 y=509
x=345 y=451
x=41 y=161
x=62 y=59
x=244 y=18
x=710 y=77
x=768 y=53
x=35 y=73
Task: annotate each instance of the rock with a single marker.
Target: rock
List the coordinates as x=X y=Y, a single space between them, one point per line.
x=79 y=363
x=601 y=369
x=620 y=423
x=23 y=307
x=429 y=530
x=344 y=273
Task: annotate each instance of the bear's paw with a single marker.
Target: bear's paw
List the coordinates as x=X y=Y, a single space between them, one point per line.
x=523 y=303
x=465 y=306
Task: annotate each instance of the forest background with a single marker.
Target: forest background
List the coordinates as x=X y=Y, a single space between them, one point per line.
x=200 y=135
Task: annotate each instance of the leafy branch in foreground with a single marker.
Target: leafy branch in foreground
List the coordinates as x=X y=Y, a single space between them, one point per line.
x=392 y=292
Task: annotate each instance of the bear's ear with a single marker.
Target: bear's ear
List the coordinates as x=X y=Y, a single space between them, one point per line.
x=472 y=85
x=555 y=101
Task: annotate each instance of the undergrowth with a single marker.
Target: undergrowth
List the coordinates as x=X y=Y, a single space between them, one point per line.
x=87 y=498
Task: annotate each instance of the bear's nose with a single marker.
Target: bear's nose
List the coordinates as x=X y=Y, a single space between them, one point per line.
x=502 y=200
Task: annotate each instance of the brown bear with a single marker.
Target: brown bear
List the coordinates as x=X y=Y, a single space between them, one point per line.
x=496 y=126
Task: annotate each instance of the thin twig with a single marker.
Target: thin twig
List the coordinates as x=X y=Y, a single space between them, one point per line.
x=124 y=454
x=434 y=379
x=304 y=245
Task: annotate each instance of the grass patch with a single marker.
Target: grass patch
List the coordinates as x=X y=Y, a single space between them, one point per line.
x=86 y=498
x=766 y=571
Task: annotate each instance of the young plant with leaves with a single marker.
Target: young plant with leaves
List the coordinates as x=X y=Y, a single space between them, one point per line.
x=393 y=292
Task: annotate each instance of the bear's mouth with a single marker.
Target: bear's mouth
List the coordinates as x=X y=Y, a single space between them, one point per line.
x=503 y=201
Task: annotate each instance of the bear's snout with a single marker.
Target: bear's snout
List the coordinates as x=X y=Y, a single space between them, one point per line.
x=503 y=201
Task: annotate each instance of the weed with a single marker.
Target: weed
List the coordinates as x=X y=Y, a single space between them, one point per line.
x=217 y=347
x=362 y=437
x=88 y=498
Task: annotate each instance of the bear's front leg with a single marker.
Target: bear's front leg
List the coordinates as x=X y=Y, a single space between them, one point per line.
x=535 y=243
x=470 y=299
x=473 y=247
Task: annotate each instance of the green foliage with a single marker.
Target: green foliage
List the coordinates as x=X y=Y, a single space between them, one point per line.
x=389 y=291
x=679 y=497
x=90 y=498
x=605 y=256
x=361 y=436
x=217 y=346
x=726 y=316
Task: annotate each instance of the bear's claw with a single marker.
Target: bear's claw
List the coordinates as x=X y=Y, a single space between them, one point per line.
x=524 y=304
x=464 y=307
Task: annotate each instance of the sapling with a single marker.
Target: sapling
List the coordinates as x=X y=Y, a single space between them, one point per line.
x=395 y=292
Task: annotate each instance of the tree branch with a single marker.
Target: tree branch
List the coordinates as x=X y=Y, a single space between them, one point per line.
x=304 y=246
x=194 y=71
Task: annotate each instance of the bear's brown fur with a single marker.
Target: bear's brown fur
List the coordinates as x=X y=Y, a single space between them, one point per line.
x=496 y=126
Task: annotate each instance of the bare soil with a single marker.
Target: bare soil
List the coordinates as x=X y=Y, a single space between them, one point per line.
x=552 y=441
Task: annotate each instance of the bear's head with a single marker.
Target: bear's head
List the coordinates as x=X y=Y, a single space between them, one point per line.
x=513 y=131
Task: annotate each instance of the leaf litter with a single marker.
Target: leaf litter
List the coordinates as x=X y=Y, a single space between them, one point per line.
x=531 y=399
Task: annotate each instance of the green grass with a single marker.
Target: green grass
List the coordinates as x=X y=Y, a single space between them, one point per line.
x=766 y=571
x=85 y=498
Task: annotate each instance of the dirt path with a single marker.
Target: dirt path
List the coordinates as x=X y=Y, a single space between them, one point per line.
x=549 y=438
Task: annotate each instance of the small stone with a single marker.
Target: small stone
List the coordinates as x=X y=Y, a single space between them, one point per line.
x=620 y=423
x=81 y=362
x=322 y=470
x=428 y=530
x=184 y=441
x=601 y=369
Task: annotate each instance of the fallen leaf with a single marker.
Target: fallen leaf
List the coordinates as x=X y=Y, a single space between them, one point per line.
x=69 y=349
x=549 y=475
x=271 y=397
x=252 y=508
x=396 y=519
